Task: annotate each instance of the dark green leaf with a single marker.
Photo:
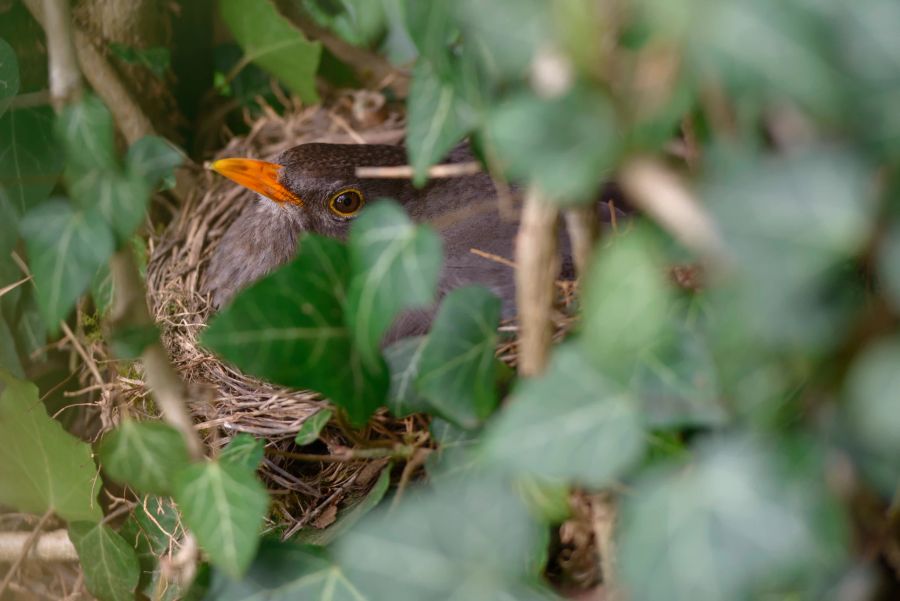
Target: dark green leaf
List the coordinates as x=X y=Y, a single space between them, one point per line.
x=457 y=373
x=300 y=339
x=41 y=465
x=88 y=134
x=570 y=424
x=224 y=505
x=404 y=357
x=154 y=159
x=312 y=427
x=65 y=248
x=474 y=539
x=120 y=198
x=9 y=75
x=245 y=451
x=889 y=263
x=269 y=40
x=9 y=356
x=736 y=524
x=156 y=59
x=111 y=569
x=130 y=341
x=395 y=267
x=30 y=157
x=144 y=455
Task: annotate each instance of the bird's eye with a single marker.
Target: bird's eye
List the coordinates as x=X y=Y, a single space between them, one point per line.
x=346 y=203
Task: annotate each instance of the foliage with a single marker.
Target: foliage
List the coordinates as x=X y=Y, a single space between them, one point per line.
x=751 y=420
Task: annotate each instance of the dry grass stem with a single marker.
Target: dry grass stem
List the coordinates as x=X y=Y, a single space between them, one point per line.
x=407 y=171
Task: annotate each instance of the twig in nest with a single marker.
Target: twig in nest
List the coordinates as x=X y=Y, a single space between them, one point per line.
x=434 y=172
x=25 y=549
x=583 y=228
x=88 y=361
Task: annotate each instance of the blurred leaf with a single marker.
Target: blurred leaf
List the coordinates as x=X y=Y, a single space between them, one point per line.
x=9 y=224
x=457 y=372
x=130 y=341
x=65 y=249
x=300 y=338
x=111 y=569
x=570 y=424
x=41 y=465
x=9 y=75
x=121 y=198
x=735 y=524
x=349 y=515
x=480 y=543
x=153 y=158
x=395 y=267
x=510 y=31
x=548 y=499
x=156 y=59
x=87 y=131
x=269 y=40
x=30 y=330
x=456 y=453
x=285 y=571
x=9 y=356
x=438 y=117
x=102 y=289
x=627 y=300
x=224 y=505
x=30 y=157
x=245 y=451
x=432 y=28
x=873 y=396
x=312 y=427
x=566 y=145
x=144 y=455
x=404 y=357
x=889 y=263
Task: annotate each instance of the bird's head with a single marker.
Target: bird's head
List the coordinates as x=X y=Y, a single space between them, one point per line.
x=316 y=186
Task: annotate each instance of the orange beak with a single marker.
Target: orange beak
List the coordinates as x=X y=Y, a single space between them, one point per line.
x=259 y=176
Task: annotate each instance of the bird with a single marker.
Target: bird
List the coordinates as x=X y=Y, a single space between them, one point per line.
x=314 y=188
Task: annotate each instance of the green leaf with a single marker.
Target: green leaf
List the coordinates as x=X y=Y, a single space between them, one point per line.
x=144 y=455
x=111 y=569
x=566 y=145
x=312 y=427
x=157 y=59
x=270 y=41
x=130 y=341
x=570 y=424
x=404 y=358
x=479 y=541
x=285 y=571
x=224 y=505
x=65 y=249
x=30 y=157
x=745 y=521
x=41 y=465
x=87 y=131
x=889 y=263
x=289 y=328
x=9 y=356
x=457 y=373
x=509 y=31
x=9 y=75
x=395 y=267
x=437 y=118
x=348 y=516
x=154 y=159
x=120 y=198
x=245 y=451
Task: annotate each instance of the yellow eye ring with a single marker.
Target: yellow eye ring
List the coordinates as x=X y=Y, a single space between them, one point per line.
x=347 y=202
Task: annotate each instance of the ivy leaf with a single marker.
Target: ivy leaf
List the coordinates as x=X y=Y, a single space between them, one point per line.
x=9 y=75
x=144 y=455
x=224 y=505
x=65 y=248
x=87 y=131
x=9 y=356
x=273 y=43
x=312 y=427
x=30 y=157
x=589 y=434
x=120 y=198
x=154 y=159
x=245 y=451
x=509 y=31
x=111 y=568
x=41 y=465
x=457 y=373
x=156 y=59
x=395 y=267
x=404 y=358
x=285 y=571
x=300 y=339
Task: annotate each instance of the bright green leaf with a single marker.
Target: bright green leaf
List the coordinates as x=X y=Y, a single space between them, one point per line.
x=30 y=157
x=65 y=249
x=111 y=569
x=244 y=450
x=404 y=357
x=289 y=328
x=224 y=505
x=395 y=267
x=457 y=373
x=153 y=158
x=571 y=424
x=9 y=75
x=272 y=42
x=144 y=455
x=41 y=465
x=312 y=427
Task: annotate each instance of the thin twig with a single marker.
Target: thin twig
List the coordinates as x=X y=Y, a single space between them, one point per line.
x=7 y=289
x=407 y=171
x=91 y=365
x=24 y=550
x=584 y=229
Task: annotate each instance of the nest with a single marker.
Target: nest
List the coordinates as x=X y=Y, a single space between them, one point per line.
x=227 y=402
